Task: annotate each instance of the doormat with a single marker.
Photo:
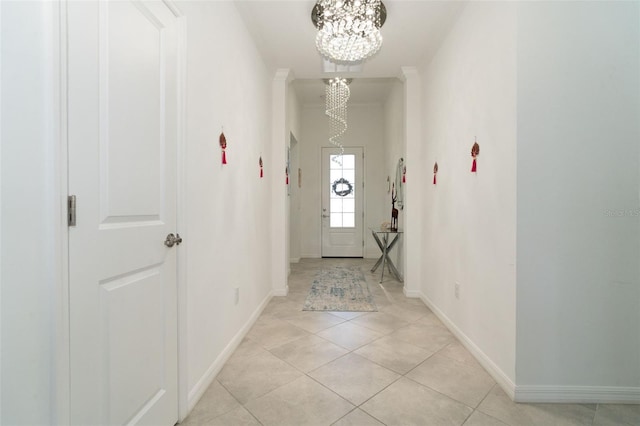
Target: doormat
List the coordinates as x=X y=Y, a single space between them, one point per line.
x=340 y=289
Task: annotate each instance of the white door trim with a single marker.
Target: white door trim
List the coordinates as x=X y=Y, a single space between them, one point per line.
x=182 y=225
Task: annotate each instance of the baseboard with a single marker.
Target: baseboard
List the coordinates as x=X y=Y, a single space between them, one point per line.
x=310 y=255
x=494 y=371
x=294 y=260
x=536 y=393
x=414 y=294
x=208 y=377
x=280 y=291
x=578 y=394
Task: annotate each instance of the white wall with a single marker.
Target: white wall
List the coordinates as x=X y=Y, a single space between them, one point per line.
x=394 y=148
x=366 y=129
x=280 y=210
x=578 y=298
x=294 y=202
x=293 y=110
x=576 y=73
x=413 y=197
x=30 y=213
x=228 y=207
x=469 y=219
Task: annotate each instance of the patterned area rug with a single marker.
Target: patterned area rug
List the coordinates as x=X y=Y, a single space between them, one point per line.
x=342 y=289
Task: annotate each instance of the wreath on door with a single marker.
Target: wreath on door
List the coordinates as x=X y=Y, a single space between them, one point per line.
x=342 y=192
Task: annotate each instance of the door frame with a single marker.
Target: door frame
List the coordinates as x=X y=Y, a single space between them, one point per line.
x=363 y=189
x=59 y=134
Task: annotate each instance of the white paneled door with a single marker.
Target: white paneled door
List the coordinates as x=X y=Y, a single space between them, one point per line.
x=122 y=124
x=342 y=200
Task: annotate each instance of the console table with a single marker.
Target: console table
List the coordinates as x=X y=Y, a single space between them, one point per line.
x=386 y=244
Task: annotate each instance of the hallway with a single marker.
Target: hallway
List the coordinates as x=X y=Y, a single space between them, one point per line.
x=112 y=116
x=398 y=366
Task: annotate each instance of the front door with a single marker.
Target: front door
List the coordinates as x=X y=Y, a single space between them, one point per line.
x=342 y=199
x=122 y=123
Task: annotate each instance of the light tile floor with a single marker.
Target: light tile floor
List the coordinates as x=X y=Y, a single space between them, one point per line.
x=398 y=366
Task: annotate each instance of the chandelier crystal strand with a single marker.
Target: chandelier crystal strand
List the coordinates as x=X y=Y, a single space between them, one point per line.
x=348 y=30
x=337 y=94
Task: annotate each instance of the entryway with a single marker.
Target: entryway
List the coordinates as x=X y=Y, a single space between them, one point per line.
x=342 y=202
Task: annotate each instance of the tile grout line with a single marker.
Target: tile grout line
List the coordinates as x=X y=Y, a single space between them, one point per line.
x=480 y=403
x=237 y=400
x=280 y=314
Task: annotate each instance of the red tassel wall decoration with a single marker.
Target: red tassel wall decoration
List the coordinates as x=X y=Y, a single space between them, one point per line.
x=223 y=145
x=286 y=171
x=475 y=151
x=260 y=163
x=435 y=172
x=404 y=174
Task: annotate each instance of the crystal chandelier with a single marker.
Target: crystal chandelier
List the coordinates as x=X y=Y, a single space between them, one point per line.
x=337 y=94
x=348 y=30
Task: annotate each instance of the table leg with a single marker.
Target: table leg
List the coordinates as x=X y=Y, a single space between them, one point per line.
x=385 y=247
x=394 y=271
x=384 y=254
x=390 y=265
x=375 y=237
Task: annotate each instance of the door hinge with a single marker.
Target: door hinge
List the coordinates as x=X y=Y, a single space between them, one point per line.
x=71 y=210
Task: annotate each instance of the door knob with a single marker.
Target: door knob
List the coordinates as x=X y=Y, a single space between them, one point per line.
x=173 y=240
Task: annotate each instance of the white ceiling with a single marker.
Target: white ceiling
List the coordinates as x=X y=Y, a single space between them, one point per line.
x=285 y=36
x=363 y=90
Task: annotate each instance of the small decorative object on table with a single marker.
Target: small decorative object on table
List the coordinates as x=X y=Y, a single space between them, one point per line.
x=394 y=211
